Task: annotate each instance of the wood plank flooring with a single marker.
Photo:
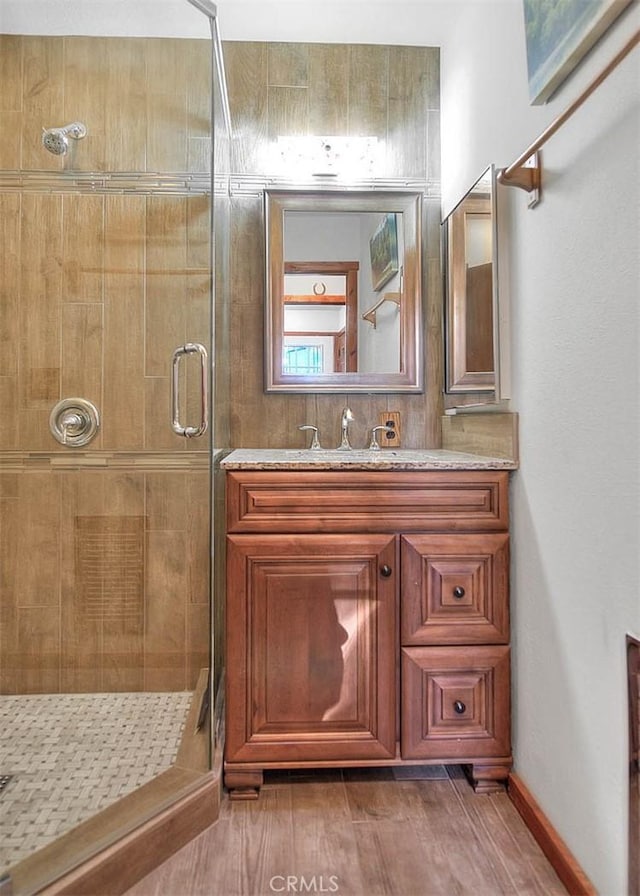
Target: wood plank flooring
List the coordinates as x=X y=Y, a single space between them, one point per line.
x=410 y=831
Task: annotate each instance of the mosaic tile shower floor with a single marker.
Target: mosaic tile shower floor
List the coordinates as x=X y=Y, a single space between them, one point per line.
x=71 y=755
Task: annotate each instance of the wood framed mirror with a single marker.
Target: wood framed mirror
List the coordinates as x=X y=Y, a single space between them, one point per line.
x=343 y=292
x=471 y=294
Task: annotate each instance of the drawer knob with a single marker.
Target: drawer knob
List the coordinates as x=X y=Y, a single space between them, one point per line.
x=458 y=591
x=459 y=707
x=385 y=571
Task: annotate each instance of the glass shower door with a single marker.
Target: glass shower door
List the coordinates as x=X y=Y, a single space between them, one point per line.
x=105 y=543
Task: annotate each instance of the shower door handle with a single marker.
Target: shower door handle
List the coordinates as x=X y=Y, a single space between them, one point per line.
x=189 y=432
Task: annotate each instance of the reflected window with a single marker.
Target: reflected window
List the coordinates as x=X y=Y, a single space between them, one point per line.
x=304 y=359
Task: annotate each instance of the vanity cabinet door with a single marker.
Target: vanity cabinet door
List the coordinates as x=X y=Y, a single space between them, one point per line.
x=455 y=589
x=311 y=648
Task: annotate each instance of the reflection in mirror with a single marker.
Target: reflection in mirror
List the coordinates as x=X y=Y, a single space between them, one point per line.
x=320 y=317
x=469 y=244
x=343 y=292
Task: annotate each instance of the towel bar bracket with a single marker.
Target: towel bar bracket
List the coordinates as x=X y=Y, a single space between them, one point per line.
x=527 y=176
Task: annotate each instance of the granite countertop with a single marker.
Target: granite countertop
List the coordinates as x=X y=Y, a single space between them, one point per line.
x=363 y=459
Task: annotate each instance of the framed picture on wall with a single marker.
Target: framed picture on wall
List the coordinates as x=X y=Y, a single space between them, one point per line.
x=383 y=248
x=559 y=33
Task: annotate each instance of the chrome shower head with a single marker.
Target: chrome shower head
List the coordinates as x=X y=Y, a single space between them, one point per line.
x=56 y=140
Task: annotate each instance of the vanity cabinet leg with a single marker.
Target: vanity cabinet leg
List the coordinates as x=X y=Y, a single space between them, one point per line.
x=243 y=785
x=486 y=777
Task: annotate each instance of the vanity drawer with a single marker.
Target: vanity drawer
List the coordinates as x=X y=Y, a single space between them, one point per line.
x=455 y=702
x=279 y=502
x=455 y=589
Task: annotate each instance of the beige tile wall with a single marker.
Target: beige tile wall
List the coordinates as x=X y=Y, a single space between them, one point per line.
x=282 y=88
x=145 y=102
x=105 y=572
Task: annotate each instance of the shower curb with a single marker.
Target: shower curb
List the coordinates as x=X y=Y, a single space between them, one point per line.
x=119 y=866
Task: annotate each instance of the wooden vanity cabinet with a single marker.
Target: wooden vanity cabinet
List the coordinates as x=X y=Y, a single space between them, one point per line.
x=367 y=622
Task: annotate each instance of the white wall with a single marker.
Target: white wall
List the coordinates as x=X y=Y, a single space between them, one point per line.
x=421 y=22
x=574 y=283
x=339 y=21
x=134 y=18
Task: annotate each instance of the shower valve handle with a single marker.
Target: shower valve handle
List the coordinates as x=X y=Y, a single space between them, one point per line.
x=74 y=422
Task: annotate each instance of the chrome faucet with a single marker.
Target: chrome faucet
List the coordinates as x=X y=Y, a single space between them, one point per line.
x=374 y=444
x=315 y=440
x=347 y=417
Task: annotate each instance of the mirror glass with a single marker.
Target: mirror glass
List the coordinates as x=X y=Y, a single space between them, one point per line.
x=469 y=253
x=343 y=292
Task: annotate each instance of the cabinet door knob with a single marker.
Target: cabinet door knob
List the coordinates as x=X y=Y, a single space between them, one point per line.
x=385 y=571
x=458 y=591
x=459 y=707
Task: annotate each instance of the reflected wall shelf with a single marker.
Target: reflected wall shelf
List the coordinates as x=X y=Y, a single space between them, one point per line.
x=371 y=314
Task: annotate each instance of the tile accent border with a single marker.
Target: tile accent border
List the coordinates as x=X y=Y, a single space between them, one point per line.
x=140 y=182
x=140 y=461
x=548 y=839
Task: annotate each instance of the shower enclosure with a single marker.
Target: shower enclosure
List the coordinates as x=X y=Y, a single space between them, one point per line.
x=113 y=239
